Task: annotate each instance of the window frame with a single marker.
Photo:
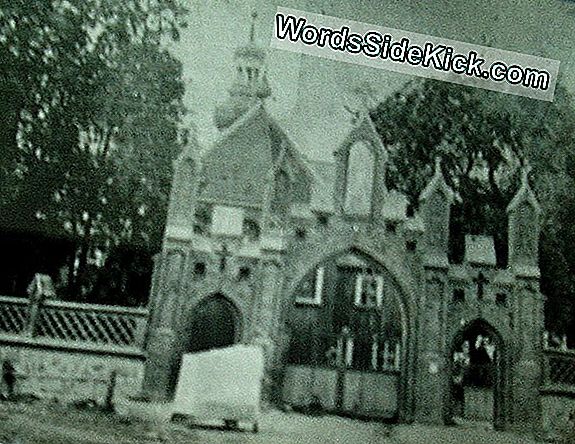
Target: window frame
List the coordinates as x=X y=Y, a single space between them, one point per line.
x=318 y=284
x=378 y=292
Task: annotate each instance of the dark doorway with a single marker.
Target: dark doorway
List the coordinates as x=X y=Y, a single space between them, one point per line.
x=214 y=324
x=477 y=376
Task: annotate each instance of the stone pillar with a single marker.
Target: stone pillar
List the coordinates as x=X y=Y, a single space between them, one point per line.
x=180 y=218
x=266 y=321
x=523 y=229
x=432 y=374
x=523 y=213
x=162 y=351
x=432 y=367
x=40 y=289
x=527 y=367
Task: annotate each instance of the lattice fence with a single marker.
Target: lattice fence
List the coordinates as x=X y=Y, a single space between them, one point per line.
x=560 y=368
x=13 y=314
x=89 y=324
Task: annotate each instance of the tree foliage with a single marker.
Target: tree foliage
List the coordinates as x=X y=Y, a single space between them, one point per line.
x=483 y=138
x=93 y=106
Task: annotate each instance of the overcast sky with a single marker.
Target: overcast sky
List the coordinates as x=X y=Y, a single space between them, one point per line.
x=309 y=93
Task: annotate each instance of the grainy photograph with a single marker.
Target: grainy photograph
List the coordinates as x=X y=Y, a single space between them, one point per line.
x=297 y=221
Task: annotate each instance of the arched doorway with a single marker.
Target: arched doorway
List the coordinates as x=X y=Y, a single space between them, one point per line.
x=477 y=359
x=214 y=324
x=348 y=339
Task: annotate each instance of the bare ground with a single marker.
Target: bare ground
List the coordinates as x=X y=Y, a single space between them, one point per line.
x=55 y=424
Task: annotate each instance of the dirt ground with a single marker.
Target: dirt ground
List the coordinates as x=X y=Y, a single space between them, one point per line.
x=54 y=424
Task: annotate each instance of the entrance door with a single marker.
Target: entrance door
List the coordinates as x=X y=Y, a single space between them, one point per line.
x=346 y=337
x=213 y=324
x=477 y=376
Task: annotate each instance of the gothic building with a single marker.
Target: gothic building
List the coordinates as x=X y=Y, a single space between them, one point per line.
x=351 y=296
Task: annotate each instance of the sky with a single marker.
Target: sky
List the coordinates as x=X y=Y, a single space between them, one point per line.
x=309 y=93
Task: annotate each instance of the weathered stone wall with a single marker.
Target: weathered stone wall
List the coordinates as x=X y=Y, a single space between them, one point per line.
x=556 y=410
x=71 y=375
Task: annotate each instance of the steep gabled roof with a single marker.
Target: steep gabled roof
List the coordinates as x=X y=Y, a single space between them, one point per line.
x=234 y=171
x=363 y=129
x=323 y=185
x=238 y=168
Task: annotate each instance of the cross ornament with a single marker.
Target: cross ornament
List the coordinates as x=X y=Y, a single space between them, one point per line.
x=224 y=254
x=480 y=281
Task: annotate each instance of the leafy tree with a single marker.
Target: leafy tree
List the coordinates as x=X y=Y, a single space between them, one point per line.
x=93 y=122
x=483 y=137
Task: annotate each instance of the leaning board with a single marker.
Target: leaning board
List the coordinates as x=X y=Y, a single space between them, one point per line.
x=221 y=384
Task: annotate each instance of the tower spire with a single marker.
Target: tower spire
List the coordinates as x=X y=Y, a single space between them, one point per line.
x=253 y=27
x=251 y=83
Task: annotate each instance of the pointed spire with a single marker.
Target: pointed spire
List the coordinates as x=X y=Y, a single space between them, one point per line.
x=253 y=27
x=437 y=183
x=251 y=68
x=366 y=95
x=438 y=165
x=525 y=193
x=251 y=82
x=523 y=229
x=525 y=173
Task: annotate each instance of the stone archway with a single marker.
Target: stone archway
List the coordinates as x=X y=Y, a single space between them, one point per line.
x=485 y=378
x=395 y=333
x=214 y=322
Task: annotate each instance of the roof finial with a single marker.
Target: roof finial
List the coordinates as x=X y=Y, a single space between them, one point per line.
x=253 y=26
x=366 y=94
x=438 y=165
x=525 y=170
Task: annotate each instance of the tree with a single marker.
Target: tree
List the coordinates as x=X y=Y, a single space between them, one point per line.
x=483 y=138
x=94 y=121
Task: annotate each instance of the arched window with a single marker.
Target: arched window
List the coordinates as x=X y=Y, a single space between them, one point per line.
x=359 y=181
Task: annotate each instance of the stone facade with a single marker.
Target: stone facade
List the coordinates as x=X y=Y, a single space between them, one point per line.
x=252 y=219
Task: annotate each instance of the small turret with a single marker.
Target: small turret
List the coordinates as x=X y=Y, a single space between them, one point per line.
x=434 y=209
x=523 y=219
x=181 y=203
x=250 y=85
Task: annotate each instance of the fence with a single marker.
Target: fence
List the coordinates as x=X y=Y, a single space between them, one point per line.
x=558 y=364
x=559 y=370
x=72 y=324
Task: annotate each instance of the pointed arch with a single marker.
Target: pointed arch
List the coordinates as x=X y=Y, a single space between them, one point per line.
x=214 y=321
x=404 y=297
x=500 y=364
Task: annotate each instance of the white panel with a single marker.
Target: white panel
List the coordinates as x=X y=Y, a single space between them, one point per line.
x=221 y=384
x=227 y=221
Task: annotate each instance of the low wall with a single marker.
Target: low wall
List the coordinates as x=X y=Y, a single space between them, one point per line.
x=70 y=375
x=556 y=410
